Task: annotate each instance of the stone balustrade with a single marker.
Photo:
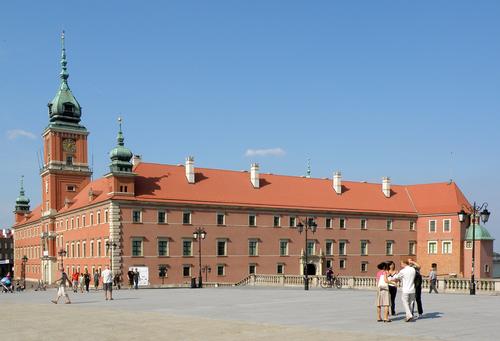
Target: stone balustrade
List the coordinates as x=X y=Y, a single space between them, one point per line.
x=444 y=285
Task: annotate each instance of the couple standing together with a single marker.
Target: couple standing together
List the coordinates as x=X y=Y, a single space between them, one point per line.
x=387 y=279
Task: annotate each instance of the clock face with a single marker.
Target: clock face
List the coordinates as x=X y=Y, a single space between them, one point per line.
x=69 y=145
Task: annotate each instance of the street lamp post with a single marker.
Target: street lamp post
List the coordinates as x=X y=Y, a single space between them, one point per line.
x=199 y=234
x=308 y=224
x=23 y=270
x=62 y=254
x=206 y=269
x=476 y=212
x=109 y=245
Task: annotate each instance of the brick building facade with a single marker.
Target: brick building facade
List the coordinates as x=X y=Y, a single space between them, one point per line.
x=143 y=215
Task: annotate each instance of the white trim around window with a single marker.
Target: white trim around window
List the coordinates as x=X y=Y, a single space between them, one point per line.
x=432 y=250
x=446 y=247
x=445 y=228
x=432 y=223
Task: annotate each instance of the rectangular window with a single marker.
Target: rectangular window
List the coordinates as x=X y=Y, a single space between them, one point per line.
x=280 y=269
x=162 y=217
x=342 y=248
x=342 y=223
x=284 y=247
x=446 y=247
x=186 y=218
x=99 y=248
x=84 y=249
x=91 y=248
x=251 y=269
x=389 y=247
x=186 y=270
x=187 y=248
x=221 y=219
x=252 y=247
x=98 y=217
x=328 y=223
x=446 y=225
x=91 y=218
x=276 y=221
x=412 y=226
x=432 y=226
x=311 y=247
x=293 y=222
x=77 y=222
x=72 y=250
x=84 y=223
x=388 y=224
x=342 y=264
x=468 y=244
x=162 y=247
x=252 y=220
x=137 y=247
x=136 y=216
x=221 y=248
x=364 y=266
x=412 y=248
x=432 y=248
x=221 y=270
x=329 y=247
x=106 y=248
x=106 y=216
x=362 y=224
x=364 y=248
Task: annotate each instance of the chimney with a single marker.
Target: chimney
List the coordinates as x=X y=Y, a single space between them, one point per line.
x=190 y=169
x=254 y=175
x=136 y=159
x=386 y=186
x=337 y=182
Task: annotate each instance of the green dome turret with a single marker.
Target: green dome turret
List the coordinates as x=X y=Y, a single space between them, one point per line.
x=120 y=155
x=64 y=109
x=22 y=201
x=480 y=233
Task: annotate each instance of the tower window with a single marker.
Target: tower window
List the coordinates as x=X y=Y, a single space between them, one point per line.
x=70 y=188
x=69 y=160
x=68 y=107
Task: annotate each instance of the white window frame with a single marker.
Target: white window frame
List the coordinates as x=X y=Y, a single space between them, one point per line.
x=219 y=240
x=279 y=220
x=428 y=247
x=329 y=251
x=282 y=268
x=412 y=225
x=294 y=221
x=450 y=249
x=361 y=249
x=256 y=247
x=313 y=253
x=218 y=266
x=342 y=263
x=344 y=220
x=365 y=264
x=162 y=239
x=361 y=224
x=391 y=242
x=389 y=224
x=134 y=239
x=414 y=251
x=140 y=217
x=343 y=242
x=328 y=226
x=287 y=245
x=223 y=219
x=446 y=220
x=435 y=226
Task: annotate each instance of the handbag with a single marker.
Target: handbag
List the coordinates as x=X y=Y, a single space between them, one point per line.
x=382 y=284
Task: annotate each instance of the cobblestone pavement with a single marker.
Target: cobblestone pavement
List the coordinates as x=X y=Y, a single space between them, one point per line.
x=242 y=314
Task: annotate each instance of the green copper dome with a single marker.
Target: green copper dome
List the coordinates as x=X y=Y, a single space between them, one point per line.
x=481 y=233
x=64 y=109
x=22 y=201
x=120 y=155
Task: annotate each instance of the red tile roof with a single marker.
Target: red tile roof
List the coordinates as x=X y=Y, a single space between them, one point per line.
x=168 y=184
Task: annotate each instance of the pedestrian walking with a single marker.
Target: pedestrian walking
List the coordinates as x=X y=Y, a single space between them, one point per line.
x=96 y=280
x=383 y=300
x=136 y=279
x=107 y=282
x=433 y=281
x=61 y=291
x=407 y=276
x=74 y=278
x=86 y=279
x=418 y=288
x=130 y=275
x=393 y=289
x=81 y=282
x=117 y=279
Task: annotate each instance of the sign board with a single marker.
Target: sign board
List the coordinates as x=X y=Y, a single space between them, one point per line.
x=143 y=274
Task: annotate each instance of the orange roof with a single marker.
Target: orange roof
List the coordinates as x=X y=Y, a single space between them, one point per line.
x=34 y=215
x=168 y=184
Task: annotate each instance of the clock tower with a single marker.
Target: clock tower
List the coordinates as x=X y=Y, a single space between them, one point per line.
x=65 y=163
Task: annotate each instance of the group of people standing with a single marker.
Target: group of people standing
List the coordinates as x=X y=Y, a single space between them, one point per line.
x=410 y=278
x=82 y=280
x=133 y=278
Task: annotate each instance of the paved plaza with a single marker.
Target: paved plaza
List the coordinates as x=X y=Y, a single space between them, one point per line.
x=245 y=313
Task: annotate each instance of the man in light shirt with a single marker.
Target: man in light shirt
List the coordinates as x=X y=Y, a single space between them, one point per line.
x=407 y=276
x=107 y=280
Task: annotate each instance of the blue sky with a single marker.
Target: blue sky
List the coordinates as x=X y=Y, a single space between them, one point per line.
x=406 y=89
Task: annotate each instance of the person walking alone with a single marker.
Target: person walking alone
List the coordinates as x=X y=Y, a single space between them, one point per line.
x=130 y=275
x=107 y=282
x=433 y=281
x=86 y=278
x=407 y=276
x=96 y=280
x=136 y=279
x=81 y=282
x=61 y=291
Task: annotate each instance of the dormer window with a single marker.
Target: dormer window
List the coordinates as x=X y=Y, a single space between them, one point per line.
x=68 y=107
